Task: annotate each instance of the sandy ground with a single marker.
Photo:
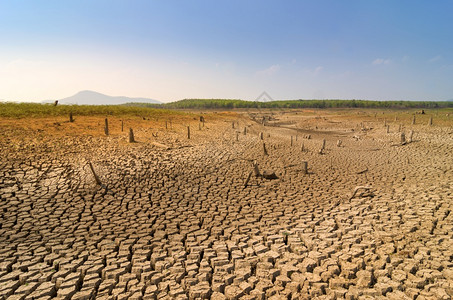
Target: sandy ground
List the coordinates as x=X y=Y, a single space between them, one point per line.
x=173 y=217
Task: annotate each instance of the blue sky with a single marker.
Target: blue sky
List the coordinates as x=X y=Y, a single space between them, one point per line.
x=170 y=50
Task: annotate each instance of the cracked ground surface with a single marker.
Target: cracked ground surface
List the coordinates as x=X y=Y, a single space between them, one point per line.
x=174 y=219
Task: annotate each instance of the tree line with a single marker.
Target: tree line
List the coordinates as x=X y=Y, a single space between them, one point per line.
x=232 y=103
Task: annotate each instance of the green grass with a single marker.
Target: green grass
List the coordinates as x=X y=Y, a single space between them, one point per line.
x=23 y=110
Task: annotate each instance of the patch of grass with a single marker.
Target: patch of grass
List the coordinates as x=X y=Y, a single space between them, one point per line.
x=23 y=110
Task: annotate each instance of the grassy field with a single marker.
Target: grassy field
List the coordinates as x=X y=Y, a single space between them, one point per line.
x=22 y=110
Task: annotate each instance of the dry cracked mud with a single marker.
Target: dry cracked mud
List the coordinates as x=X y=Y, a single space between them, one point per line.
x=173 y=218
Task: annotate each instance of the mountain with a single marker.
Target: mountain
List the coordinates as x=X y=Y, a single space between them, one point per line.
x=95 y=98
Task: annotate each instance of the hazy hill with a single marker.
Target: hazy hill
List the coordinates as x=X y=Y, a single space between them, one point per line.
x=95 y=98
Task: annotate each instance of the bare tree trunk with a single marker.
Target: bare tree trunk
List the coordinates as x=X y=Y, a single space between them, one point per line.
x=106 y=127
x=255 y=169
x=96 y=178
x=411 y=134
x=305 y=167
x=131 y=136
x=403 y=138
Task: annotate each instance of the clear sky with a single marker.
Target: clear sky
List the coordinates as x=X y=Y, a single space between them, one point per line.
x=170 y=50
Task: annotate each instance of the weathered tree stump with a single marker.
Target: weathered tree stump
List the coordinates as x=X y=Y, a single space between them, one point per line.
x=131 y=136
x=264 y=149
x=411 y=134
x=96 y=178
x=248 y=179
x=305 y=167
x=323 y=147
x=106 y=127
x=403 y=138
x=256 y=170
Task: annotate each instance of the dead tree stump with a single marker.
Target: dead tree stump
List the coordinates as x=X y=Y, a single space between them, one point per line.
x=131 y=136
x=106 y=127
x=264 y=149
x=248 y=179
x=96 y=178
x=323 y=147
x=256 y=170
x=403 y=138
x=305 y=167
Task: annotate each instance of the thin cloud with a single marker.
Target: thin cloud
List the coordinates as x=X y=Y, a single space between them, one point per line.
x=381 y=61
x=318 y=70
x=435 y=58
x=269 y=71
